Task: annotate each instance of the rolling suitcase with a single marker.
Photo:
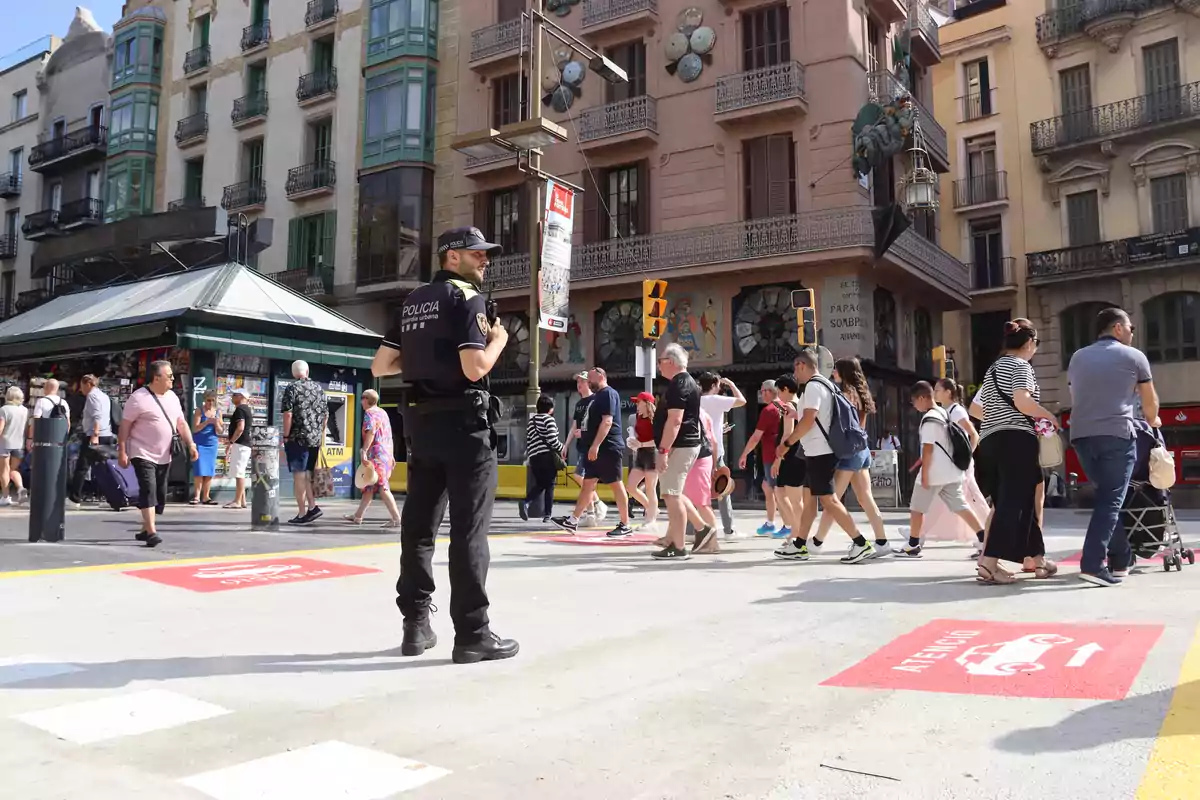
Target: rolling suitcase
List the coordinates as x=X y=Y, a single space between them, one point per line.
x=118 y=485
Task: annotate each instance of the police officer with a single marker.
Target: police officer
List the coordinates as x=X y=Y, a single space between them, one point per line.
x=447 y=341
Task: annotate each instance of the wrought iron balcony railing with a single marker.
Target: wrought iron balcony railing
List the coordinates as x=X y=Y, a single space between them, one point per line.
x=83 y=210
x=614 y=119
x=31 y=299
x=812 y=231
x=883 y=87
x=995 y=273
x=316 y=282
x=192 y=127
x=186 y=204
x=759 y=86
x=977 y=105
x=256 y=35
x=316 y=84
x=40 y=222
x=989 y=187
x=197 y=59
x=496 y=39
x=320 y=11
x=403 y=265
x=1070 y=19
x=92 y=137
x=1119 y=254
x=10 y=184
x=1164 y=106
x=597 y=12
x=249 y=107
x=311 y=177
x=243 y=195
x=923 y=21
x=8 y=246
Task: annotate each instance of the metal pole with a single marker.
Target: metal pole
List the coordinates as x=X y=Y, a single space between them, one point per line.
x=534 y=64
x=648 y=366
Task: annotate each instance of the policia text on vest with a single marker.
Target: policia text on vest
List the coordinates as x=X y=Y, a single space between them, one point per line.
x=445 y=344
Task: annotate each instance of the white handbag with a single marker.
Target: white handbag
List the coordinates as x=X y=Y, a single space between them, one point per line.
x=1050 y=451
x=1162 y=468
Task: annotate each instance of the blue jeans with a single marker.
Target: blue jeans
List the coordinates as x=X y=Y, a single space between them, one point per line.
x=1108 y=463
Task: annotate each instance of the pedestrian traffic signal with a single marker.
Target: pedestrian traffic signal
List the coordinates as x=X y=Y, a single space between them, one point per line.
x=654 y=309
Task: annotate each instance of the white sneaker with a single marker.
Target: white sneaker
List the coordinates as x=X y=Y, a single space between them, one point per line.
x=588 y=520
x=815 y=549
x=600 y=510
x=650 y=528
x=22 y=497
x=731 y=535
x=5 y=501
x=881 y=551
x=857 y=554
x=789 y=551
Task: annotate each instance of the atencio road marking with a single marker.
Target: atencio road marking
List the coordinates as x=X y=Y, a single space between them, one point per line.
x=1174 y=769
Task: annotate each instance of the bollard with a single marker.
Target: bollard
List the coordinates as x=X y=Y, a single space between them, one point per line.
x=48 y=480
x=264 y=479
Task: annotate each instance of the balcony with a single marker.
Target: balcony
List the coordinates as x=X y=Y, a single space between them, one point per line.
x=618 y=17
x=1117 y=257
x=981 y=190
x=81 y=213
x=926 y=48
x=378 y=275
x=8 y=247
x=627 y=122
x=814 y=232
x=777 y=90
x=196 y=61
x=10 y=184
x=1106 y=21
x=244 y=196
x=317 y=283
x=316 y=87
x=489 y=165
x=977 y=105
x=993 y=275
x=40 y=224
x=186 y=204
x=1135 y=116
x=884 y=88
x=191 y=130
x=79 y=145
x=256 y=36
x=320 y=12
x=311 y=179
x=249 y=110
x=495 y=48
x=31 y=299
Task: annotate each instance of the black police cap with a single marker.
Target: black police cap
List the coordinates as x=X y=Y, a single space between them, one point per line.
x=467 y=239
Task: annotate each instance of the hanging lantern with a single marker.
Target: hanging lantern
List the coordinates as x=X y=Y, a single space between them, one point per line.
x=919 y=186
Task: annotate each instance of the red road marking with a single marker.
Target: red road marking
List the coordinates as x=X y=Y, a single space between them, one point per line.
x=1012 y=659
x=1075 y=558
x=243 y=574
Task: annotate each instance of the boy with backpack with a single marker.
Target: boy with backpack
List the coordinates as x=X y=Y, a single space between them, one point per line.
x=945 y=458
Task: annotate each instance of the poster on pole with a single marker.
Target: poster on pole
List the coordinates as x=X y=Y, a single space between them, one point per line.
x=555 y=277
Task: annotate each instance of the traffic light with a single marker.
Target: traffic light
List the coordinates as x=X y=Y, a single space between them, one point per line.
x=654 y=309
x=803 y=300
x=939 y=360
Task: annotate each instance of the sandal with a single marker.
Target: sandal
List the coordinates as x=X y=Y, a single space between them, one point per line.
x=995 y=577
x=391 y=524
x=1048 y=569
x=194 y=502
x=234 y=505
x=208 y=502
x=353 y=520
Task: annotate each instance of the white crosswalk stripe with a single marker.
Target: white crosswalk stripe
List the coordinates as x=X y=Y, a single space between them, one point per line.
x=122 y=715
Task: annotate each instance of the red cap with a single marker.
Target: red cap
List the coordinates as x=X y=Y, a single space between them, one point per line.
x=646 y=396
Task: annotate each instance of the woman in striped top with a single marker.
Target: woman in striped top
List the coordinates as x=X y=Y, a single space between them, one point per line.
x=541 y=447
x=1006 y=460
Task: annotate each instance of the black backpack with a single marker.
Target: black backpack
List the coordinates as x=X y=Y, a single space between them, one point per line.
x=960 y=443
x=59 y=409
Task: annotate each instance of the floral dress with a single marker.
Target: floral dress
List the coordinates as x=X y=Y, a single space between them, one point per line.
x=376 y=421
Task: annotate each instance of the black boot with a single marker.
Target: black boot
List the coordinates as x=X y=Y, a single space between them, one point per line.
x=492 y=648
x=418 y=636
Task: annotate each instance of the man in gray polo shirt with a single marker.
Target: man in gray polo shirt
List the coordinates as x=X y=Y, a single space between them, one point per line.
x=1105 y=376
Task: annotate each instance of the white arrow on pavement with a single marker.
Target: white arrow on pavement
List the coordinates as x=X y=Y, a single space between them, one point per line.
x=1082 y=654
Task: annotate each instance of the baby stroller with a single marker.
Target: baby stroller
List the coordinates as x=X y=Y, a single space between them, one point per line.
x=1147 y=514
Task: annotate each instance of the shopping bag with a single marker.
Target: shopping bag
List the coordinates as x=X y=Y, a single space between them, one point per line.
x=323 y=478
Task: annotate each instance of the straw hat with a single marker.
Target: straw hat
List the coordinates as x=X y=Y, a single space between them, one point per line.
x=365 y=475
x=722 y=483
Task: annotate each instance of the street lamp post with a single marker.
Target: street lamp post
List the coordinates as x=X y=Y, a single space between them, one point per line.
x=534 y=53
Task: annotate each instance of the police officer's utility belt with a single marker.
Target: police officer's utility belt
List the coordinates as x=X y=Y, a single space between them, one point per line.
x=480 y=406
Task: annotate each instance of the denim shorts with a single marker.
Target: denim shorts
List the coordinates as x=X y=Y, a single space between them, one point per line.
x=17 y=454
x=859 y=461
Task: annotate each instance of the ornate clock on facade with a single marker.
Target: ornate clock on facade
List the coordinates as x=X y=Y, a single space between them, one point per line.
x=764 y=325
x=514 y=359
x=618 y=333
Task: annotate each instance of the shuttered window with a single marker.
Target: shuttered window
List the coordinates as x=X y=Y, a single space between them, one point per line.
x=1083 y=218
x=631 y=58
x=254 y=161
x=321 y=136
x=1160 y=63
x=506 y=100
x=769 y=169
x=766 y=37
x=311 y=241
x=1075 y=89
x=616 y=202
x=502 y=215
x=1172 y=327
x=1168 y=200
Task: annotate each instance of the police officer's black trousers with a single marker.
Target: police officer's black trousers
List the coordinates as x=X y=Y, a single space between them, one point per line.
x=447 y=461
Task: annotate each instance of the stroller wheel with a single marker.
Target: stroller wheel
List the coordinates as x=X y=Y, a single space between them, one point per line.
x=1168 y=562
x=1190 y=556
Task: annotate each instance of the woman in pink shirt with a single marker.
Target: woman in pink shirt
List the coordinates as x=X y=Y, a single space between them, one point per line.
x=152 y=417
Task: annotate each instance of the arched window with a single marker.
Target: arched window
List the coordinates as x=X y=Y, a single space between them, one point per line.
x=1077 y=324
x=1172 y=324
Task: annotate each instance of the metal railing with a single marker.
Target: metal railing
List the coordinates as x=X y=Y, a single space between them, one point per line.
x=244 y=194
x=988 y=187
x=8 y=246
x=474 y=161
x=758 y=86
x=923 y=21
x=977 y=105
x=625 y=116
x=316 y=84
x=89 y=138
x=496 y=39
x=186 y=204
x=402 y=265
x=256 y=35
x=197 y=59
x=316 y=282
x=311 y=177
x=85 y=209
x=1118 y=254
x=995 y=273
x=319 y=11
x=248 y=107
x=10 y=184
x=40 y=222
x=597 y=12
x=31 y=299
x=192 y=127
x=813 y=231
x=1070 y=19
x=883 y=87
x=1172 y=104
